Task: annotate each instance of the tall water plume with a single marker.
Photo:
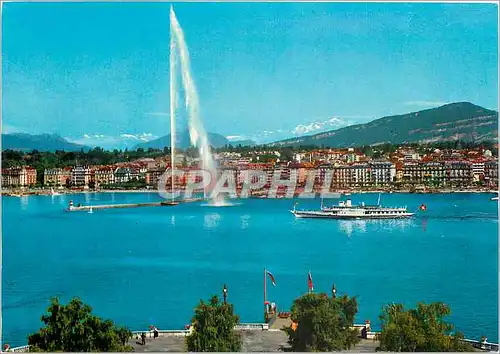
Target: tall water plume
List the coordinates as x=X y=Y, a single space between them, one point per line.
x=197 y=133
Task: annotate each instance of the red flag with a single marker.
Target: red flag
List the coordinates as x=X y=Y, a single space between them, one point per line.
x=310 y=281
x=271 y=277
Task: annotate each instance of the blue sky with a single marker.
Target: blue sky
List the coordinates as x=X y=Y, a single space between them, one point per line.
x=97 y=73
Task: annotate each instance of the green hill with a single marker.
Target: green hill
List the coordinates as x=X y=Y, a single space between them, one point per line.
x=455 y=121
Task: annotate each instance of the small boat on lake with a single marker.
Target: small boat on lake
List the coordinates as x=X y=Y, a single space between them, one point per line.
x=346 y=210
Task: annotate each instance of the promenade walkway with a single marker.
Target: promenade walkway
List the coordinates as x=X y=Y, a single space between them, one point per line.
x=253 y=341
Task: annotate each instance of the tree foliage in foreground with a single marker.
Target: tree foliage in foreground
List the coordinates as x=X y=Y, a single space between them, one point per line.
x=323 y=324
x=422 y=329
x=213 y=328
x=73 y=328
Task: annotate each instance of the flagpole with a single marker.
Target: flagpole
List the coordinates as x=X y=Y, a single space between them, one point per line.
x=265 y=295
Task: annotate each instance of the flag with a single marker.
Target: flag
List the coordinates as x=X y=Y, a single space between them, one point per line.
x=310 y=281
x=271 y=277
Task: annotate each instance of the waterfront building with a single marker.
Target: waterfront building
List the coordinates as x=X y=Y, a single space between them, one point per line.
x=65 y=176
x=268 y=168
x=322 y=172
x=491 y=173
x=399 y=170
x=478 y=170
x=153 y=175
x=123 y=174
x=52 y=176
x=80 y=176
x=383 y=172
x=21 y=176
x=301 y=171
x=411 y=173
x=103 y=175
x=230 y=175
x=362 y=175
x=433 y=173
x=458 y=172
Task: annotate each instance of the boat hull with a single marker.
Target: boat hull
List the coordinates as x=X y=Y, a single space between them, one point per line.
x=312 y=215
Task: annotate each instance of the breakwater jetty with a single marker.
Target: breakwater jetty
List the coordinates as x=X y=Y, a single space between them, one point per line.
x=90 y=208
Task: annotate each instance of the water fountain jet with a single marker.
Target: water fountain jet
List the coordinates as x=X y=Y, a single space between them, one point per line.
x=197 y=133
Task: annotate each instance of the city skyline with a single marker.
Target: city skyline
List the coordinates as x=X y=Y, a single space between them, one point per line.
x=264 y=71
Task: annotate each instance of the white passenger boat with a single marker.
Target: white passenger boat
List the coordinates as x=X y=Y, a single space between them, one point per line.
x=346 y=210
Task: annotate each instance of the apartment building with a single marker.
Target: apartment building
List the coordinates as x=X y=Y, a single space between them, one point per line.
x=80 y=176
x=21 y=176
x=103 y=175
x=491 y=173
x=383 y=172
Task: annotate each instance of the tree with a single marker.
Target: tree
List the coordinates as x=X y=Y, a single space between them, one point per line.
x=422 y=329
x=323 y=324
x=213 y=328
x=72 y=328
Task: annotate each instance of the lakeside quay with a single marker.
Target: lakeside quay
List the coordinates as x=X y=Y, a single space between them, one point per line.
x=257 y=337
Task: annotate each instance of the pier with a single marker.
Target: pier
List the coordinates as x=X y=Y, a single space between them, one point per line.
x=71 y=207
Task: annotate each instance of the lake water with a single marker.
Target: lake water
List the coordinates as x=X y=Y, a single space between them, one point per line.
x=152 y=265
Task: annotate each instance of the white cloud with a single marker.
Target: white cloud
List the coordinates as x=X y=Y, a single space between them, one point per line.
x=236 y=137
x=143 y=136
x=332 y=123
x=129 y=136
x=111 y=142
x=425 y=103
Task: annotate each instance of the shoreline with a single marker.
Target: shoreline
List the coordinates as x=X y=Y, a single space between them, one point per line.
x=260 y=195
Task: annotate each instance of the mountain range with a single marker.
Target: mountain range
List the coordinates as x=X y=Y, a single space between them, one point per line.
x=455 y=121
x=40 y=142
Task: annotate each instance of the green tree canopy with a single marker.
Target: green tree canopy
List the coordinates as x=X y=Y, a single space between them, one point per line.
x=213 y=328
x=323 y=324
x=72 y=328
x=422 y=329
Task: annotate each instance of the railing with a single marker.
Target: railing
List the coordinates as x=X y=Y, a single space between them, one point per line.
x=23 y=349
x=482 y=345
x=252 y=326
x=162 y=333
